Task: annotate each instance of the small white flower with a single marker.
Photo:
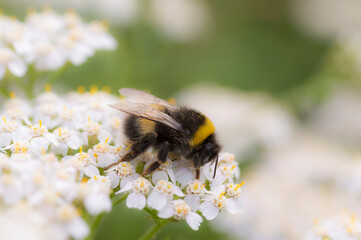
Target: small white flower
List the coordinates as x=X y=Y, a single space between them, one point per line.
x=48 y=113
x=66 y=139
x=98 y=200
x=104 y=154
x=10 y=189
x=185 y=172
x=121 y=174
x=139 y=190
x=83 y=163
x=180 y=210
x=162 y=193
x=162 y=173
x=7 y=131
x=92 y=128
x=228 y=199
x=212 y=205
x=194 y=191
x=71 y=222
x=9 y=60
x=46 y=56
x=40 y=137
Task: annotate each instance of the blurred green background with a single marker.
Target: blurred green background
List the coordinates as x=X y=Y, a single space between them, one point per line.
x=251 y=45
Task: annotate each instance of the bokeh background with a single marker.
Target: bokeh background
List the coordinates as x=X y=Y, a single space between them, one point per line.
x=279 y=78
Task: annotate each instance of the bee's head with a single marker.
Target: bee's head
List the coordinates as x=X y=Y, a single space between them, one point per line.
x=209 y=150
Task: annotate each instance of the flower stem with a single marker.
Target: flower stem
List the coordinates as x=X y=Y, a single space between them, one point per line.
x=152 y=232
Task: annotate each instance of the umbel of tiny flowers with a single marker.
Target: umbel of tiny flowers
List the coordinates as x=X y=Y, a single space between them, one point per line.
x=53 y=152
x=44 y=44
x=342 y=227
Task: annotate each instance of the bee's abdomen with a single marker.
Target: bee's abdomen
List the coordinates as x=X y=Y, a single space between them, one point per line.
x=131 y=128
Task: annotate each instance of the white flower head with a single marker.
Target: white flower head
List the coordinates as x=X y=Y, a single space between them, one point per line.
x=162 y=193
x=121 y=174
x=139 y=189
x=66 y=139
x=180 y=210
x=104 y=154
x=194 y=191
x=10 y=61
x=164 y=172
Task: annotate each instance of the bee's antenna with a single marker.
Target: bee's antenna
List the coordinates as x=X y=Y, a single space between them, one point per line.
x=215 y=168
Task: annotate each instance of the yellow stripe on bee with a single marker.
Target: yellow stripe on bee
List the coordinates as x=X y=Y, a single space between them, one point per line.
x=146 y=126
x=203 y=132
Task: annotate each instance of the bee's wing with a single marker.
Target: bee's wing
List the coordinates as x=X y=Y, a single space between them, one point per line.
x=135 y=95
x=144 y=111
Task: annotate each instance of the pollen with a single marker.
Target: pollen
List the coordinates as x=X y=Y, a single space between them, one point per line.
x=164 y=187
x=12 y=94
x=19 y=147
x=47 y=87
x=141 y=185
x=93 y=89
x=115 y=122
x=315 y=221
x=68 y=212
x=124 y=169
x=80 y=149
x=106 y=89
x=220 y=201
x=81 y=89
x=4 y=119
x=239 y=185
x=233 y=190
x=233 y=167
x=195 y=188
x=181 y=210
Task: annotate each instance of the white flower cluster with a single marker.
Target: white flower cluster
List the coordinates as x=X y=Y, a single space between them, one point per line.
x=49 y=40
x=173 y=191
x=341 y=228
x=53 y=151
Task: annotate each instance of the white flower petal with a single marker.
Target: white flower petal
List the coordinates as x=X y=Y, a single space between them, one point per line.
x=193 y=201
x=114 y=179
x=159 y=175
x=208 y=210
x=157 y=200
x=62 y=149
x=171 y=175
x=78 y=228
x=136 y=200
x=125 y=181
x=234 y=206
x=194 y=220
x=167 y=211
x=106 y=159
x=97 y=203
x=18 y=68
x=39 y=143
x=74 y=142
x=177 y=191
x=5 y=139
x=126 y=188
x=91 y=171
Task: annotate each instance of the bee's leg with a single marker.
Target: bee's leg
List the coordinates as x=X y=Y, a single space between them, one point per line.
x=162 y=157
x=197 y=165
x=136 y=149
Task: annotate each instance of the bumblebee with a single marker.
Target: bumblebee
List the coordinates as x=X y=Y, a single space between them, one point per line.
x=180 y=131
